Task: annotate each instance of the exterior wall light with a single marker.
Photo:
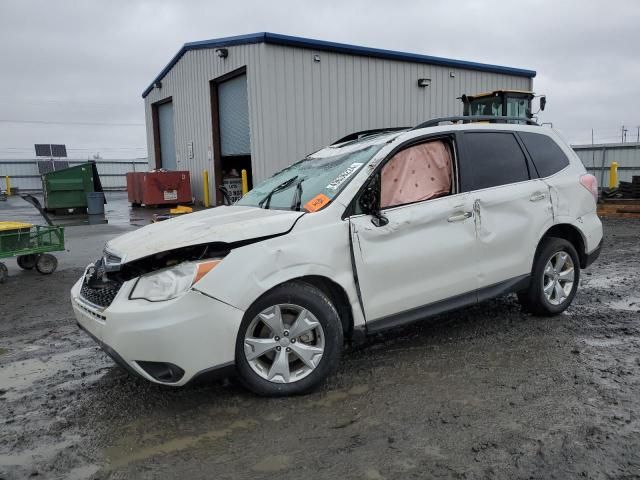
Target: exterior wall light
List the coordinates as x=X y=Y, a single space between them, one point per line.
x=158 y=84
x=222 y=52
x=316 y=58
x=424 y=82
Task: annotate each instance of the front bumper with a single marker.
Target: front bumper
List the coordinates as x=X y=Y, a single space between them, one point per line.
x=194 y=332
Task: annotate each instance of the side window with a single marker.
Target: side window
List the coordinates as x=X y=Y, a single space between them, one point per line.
x=547 y=156
x=417 y=173
x=491 y=159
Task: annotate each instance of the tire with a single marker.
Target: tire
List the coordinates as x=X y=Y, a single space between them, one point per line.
x=260 y=345
x=46 y=264
x=559 y=292
x=4 y=272
x=27 y=262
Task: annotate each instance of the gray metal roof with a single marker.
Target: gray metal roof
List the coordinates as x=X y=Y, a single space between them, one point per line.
x=287 y=40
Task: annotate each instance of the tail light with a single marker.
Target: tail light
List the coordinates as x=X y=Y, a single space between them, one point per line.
x=590 y=182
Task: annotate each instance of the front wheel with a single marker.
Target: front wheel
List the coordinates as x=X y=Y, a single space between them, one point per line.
x=554 y=280
x=46 y=264
x=289 y=341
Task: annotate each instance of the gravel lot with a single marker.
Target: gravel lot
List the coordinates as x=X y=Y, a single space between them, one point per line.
x=487 y=392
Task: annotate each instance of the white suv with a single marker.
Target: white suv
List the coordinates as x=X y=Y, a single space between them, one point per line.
x=375 y=231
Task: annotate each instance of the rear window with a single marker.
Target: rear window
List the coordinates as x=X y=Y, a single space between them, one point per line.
x=547 y=156
x=491 y=159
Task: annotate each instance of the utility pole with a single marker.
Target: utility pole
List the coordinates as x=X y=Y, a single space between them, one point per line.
x=638 y=137
x=624 y=134
x=592 y=136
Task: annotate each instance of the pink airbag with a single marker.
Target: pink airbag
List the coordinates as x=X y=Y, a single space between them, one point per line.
x=418 y=173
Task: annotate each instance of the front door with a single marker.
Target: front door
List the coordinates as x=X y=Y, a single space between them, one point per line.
x=425 y=253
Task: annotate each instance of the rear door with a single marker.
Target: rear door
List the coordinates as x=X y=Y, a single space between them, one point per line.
x=512 y=207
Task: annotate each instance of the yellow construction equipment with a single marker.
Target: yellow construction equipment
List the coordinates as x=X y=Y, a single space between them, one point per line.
x=501 y=103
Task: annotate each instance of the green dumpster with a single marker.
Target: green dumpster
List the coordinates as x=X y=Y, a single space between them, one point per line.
x=68 y=188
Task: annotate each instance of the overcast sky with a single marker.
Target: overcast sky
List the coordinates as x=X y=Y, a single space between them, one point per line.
x=73 y=71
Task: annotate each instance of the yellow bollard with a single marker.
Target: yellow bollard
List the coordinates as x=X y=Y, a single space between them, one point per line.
x=613 y=175
x=205 y=179
x=245 y=182
x=8 y=182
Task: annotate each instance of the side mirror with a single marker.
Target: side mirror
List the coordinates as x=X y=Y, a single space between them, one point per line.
x=369 y=203
x=543 y=102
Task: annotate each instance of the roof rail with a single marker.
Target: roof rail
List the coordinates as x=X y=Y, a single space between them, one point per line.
x=475 y=118
x=366 y=133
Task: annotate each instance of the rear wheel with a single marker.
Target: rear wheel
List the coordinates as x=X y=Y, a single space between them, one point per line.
x=27 y=262
x=289 y=342
x=46 y=264
x=554 y=280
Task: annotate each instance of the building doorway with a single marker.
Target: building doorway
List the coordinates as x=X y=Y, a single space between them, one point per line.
x=231 y=133
x=164 y=137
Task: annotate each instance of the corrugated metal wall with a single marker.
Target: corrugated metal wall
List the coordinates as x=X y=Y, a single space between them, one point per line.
x=297 y=105
x=597 y=160
x=25 y=176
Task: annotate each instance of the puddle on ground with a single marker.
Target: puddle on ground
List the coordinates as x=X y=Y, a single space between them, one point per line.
x=272 y=464
x=631 y=304
x=35 y=455
x=21 y=374
x=129 y=449
x=602 y=342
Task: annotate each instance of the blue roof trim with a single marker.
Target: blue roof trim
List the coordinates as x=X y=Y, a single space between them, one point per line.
x=287 y=40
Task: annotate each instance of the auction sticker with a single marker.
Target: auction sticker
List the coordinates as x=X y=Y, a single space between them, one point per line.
x=339 y=180
x=317 y=202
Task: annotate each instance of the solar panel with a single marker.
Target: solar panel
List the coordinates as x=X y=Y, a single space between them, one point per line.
x=60 y=164
x=58 y=151
x=45 y=166
x=43 y=150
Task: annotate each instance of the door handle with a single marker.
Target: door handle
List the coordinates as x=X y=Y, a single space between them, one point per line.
x=537 y=196
x=459 y=217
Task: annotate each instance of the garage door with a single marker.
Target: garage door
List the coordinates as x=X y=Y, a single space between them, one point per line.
x=167 y=139
x=233 y=109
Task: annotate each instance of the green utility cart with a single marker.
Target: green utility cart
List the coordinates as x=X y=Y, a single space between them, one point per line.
x=30 y=243
x=67 y=189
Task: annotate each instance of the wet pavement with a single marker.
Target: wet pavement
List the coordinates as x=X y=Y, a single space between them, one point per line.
x=486 y=392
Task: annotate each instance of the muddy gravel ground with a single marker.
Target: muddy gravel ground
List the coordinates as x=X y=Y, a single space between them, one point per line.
x=487 y=392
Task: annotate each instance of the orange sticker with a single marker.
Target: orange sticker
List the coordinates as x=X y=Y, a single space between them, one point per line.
x=316 y=203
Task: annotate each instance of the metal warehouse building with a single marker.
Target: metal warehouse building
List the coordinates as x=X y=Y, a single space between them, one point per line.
x=263 y=101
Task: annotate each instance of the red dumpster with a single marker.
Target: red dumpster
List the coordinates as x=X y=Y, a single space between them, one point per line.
x=159 y=187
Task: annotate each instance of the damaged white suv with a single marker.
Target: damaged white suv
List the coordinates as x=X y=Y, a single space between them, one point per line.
x=378 y=230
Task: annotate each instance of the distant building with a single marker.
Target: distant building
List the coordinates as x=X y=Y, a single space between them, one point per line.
x=263 y=101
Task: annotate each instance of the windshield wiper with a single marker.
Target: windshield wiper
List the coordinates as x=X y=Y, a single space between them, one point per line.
x=266 y=201
x=296 y=201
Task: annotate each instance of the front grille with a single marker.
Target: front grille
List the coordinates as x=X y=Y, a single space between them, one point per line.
x=102 y=296
x=97 y=288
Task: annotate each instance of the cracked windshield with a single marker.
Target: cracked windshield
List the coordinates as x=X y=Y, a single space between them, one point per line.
x=310 y=183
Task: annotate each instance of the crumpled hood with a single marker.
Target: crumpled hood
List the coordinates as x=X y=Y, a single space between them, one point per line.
x=221 y=224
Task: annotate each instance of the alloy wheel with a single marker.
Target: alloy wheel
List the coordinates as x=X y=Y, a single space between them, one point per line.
x=284 y=343
x=558 y=278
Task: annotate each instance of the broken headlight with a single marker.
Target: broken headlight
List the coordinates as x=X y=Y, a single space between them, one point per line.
x=171 y=282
